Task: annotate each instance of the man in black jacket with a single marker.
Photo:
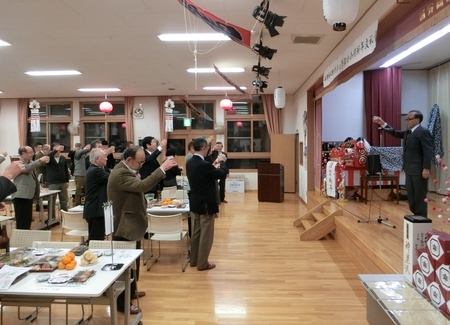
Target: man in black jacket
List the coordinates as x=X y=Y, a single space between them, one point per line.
x=152 y=150
x=96 y=181
x=58 y=174
x=417 y=155
x=203 y=202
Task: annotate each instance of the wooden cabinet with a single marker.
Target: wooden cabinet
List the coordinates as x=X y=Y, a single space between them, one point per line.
x=283 y=150
x=270 y=182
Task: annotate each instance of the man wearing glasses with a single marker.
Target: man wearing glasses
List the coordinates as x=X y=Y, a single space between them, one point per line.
x=27 y=187
x=417 y=155
x=126 y=191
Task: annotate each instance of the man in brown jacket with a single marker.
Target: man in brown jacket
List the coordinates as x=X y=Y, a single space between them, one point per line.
x=126 y=191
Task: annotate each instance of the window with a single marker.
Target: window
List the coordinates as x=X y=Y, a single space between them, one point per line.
x=247 y=139
x=54 y=121
x=204 y=122
x=96 y=125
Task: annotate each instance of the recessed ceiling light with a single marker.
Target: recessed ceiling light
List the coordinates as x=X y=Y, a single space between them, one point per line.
x=223 y=88
x=211 y=70
x=1 y=92
x=53 y=73
x=103 y=90
x=3 y=43
x=193 y=37
x=417 y=46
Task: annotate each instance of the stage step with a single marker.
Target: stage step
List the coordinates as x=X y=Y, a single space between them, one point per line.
x=318 y=222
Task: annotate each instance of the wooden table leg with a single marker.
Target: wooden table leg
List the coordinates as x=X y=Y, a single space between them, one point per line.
x=398 y=188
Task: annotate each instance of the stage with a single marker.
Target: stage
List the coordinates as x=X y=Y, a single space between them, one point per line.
x=374 y=247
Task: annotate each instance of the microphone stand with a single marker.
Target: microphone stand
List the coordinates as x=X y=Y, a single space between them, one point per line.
x=107 y=208
x=380 y=220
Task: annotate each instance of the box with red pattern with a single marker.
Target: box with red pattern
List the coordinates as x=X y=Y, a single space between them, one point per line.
x=436 y=296
x=443 y=279
x=420 y=281
x=426 y=264
x=438 y=244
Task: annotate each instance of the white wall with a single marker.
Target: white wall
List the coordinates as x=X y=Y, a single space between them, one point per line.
x=301 y=104
x=343 y=111
x=9 y=140
x=415 y=93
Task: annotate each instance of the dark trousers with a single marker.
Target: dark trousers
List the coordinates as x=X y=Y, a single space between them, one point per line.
x=417 y=188
x=222 y=189
x=23 y=209
x=121 y=297
x=96 y=228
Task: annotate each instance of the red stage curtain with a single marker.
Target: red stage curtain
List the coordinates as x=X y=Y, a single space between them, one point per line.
x=382 y=97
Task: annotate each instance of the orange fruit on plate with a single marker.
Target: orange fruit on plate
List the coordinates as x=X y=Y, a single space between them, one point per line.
x=61 y=266
x=71 y=254
x=66 y=259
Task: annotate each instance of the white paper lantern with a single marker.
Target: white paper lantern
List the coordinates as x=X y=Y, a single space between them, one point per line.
x=339 y=13
x=279 y=97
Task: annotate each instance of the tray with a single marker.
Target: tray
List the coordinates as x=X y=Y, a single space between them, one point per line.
x=82 y=276
x=18 y=257
x=45 y=264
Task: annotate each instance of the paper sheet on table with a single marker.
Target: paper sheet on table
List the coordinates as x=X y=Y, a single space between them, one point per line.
x=109 y=220
x=8 y=274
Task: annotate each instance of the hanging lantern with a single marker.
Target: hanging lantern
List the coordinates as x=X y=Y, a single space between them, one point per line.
x=279 y=97
x=124 y=125
x=226 y=104
x=106 y=107
x=239 y=124
x=339 y=13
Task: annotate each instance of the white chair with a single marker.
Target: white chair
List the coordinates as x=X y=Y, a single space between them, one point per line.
x=25 y=238
x=55 y=244
x=73 y=224
x=167 y=228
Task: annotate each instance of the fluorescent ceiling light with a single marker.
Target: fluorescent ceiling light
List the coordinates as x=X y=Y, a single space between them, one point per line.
x=193 y=37
x=103 y=90
x=1 y=92
x=211 y=70
x=53 y=73
x=3 y=43
x=417 y=46
x=223 y=88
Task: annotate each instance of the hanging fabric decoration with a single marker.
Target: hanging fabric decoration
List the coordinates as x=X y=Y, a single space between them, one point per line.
x=434 y=126
x=236 y=33
x=230 y=82
x=35 y=120
x=169 y=105
x=198 y=111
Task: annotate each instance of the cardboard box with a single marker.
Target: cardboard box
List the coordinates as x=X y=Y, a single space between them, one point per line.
x=420 y=281
x=438 y=243
x=235 y=184
x=426 y=263
x=415 y=229
x=436 y=296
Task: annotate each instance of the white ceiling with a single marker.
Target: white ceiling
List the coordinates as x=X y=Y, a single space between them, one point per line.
x=114 y=44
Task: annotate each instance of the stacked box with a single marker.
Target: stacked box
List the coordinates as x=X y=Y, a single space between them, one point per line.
x=434 y=263
x=415 y=229
x=424 y=272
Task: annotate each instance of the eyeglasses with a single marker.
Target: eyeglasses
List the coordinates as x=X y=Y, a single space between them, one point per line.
x=409 y=119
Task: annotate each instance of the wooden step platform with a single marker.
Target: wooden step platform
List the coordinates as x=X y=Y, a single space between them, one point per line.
x=375 y=247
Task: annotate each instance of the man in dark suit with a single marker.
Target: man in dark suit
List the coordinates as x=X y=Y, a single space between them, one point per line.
x=417 y=155
x=152 y=150
x=96 y=180
x=126 y=190
x=218 y=150
x=203 y=202
x=7 y=187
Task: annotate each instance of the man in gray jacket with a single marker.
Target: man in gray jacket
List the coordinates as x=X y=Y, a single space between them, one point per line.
x=80 y=171
x=27 y=187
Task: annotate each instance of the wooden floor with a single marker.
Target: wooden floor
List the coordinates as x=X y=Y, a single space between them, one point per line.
x=264 y=274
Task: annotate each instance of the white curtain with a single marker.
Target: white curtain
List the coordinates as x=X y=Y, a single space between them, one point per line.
x=438 y=86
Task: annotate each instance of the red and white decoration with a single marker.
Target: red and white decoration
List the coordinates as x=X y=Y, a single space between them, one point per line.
x=35 y=120
x=169 y=105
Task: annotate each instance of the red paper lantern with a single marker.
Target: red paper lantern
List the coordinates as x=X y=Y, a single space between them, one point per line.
x=239 y=124
x=226 y=104
x=106 y=107
x=124 y=125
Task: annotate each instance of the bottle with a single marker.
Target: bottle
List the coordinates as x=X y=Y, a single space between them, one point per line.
x=4 y=241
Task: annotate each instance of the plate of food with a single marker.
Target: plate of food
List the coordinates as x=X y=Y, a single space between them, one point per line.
x=45 y=264
x=59 y=278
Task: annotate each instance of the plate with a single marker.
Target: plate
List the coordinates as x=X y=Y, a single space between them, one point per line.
x=59 y=279
x=40 y=252
x=171 y=206
x=42 y=278
x=90 y=264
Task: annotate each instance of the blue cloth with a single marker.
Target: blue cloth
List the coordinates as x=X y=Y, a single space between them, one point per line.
x=434 y=126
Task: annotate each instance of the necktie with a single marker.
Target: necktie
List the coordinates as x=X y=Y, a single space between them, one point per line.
x=408 y=134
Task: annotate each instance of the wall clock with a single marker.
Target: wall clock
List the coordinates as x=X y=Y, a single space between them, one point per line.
x=138 y=112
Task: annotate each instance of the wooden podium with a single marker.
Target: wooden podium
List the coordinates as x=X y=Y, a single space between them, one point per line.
x=270 y=182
